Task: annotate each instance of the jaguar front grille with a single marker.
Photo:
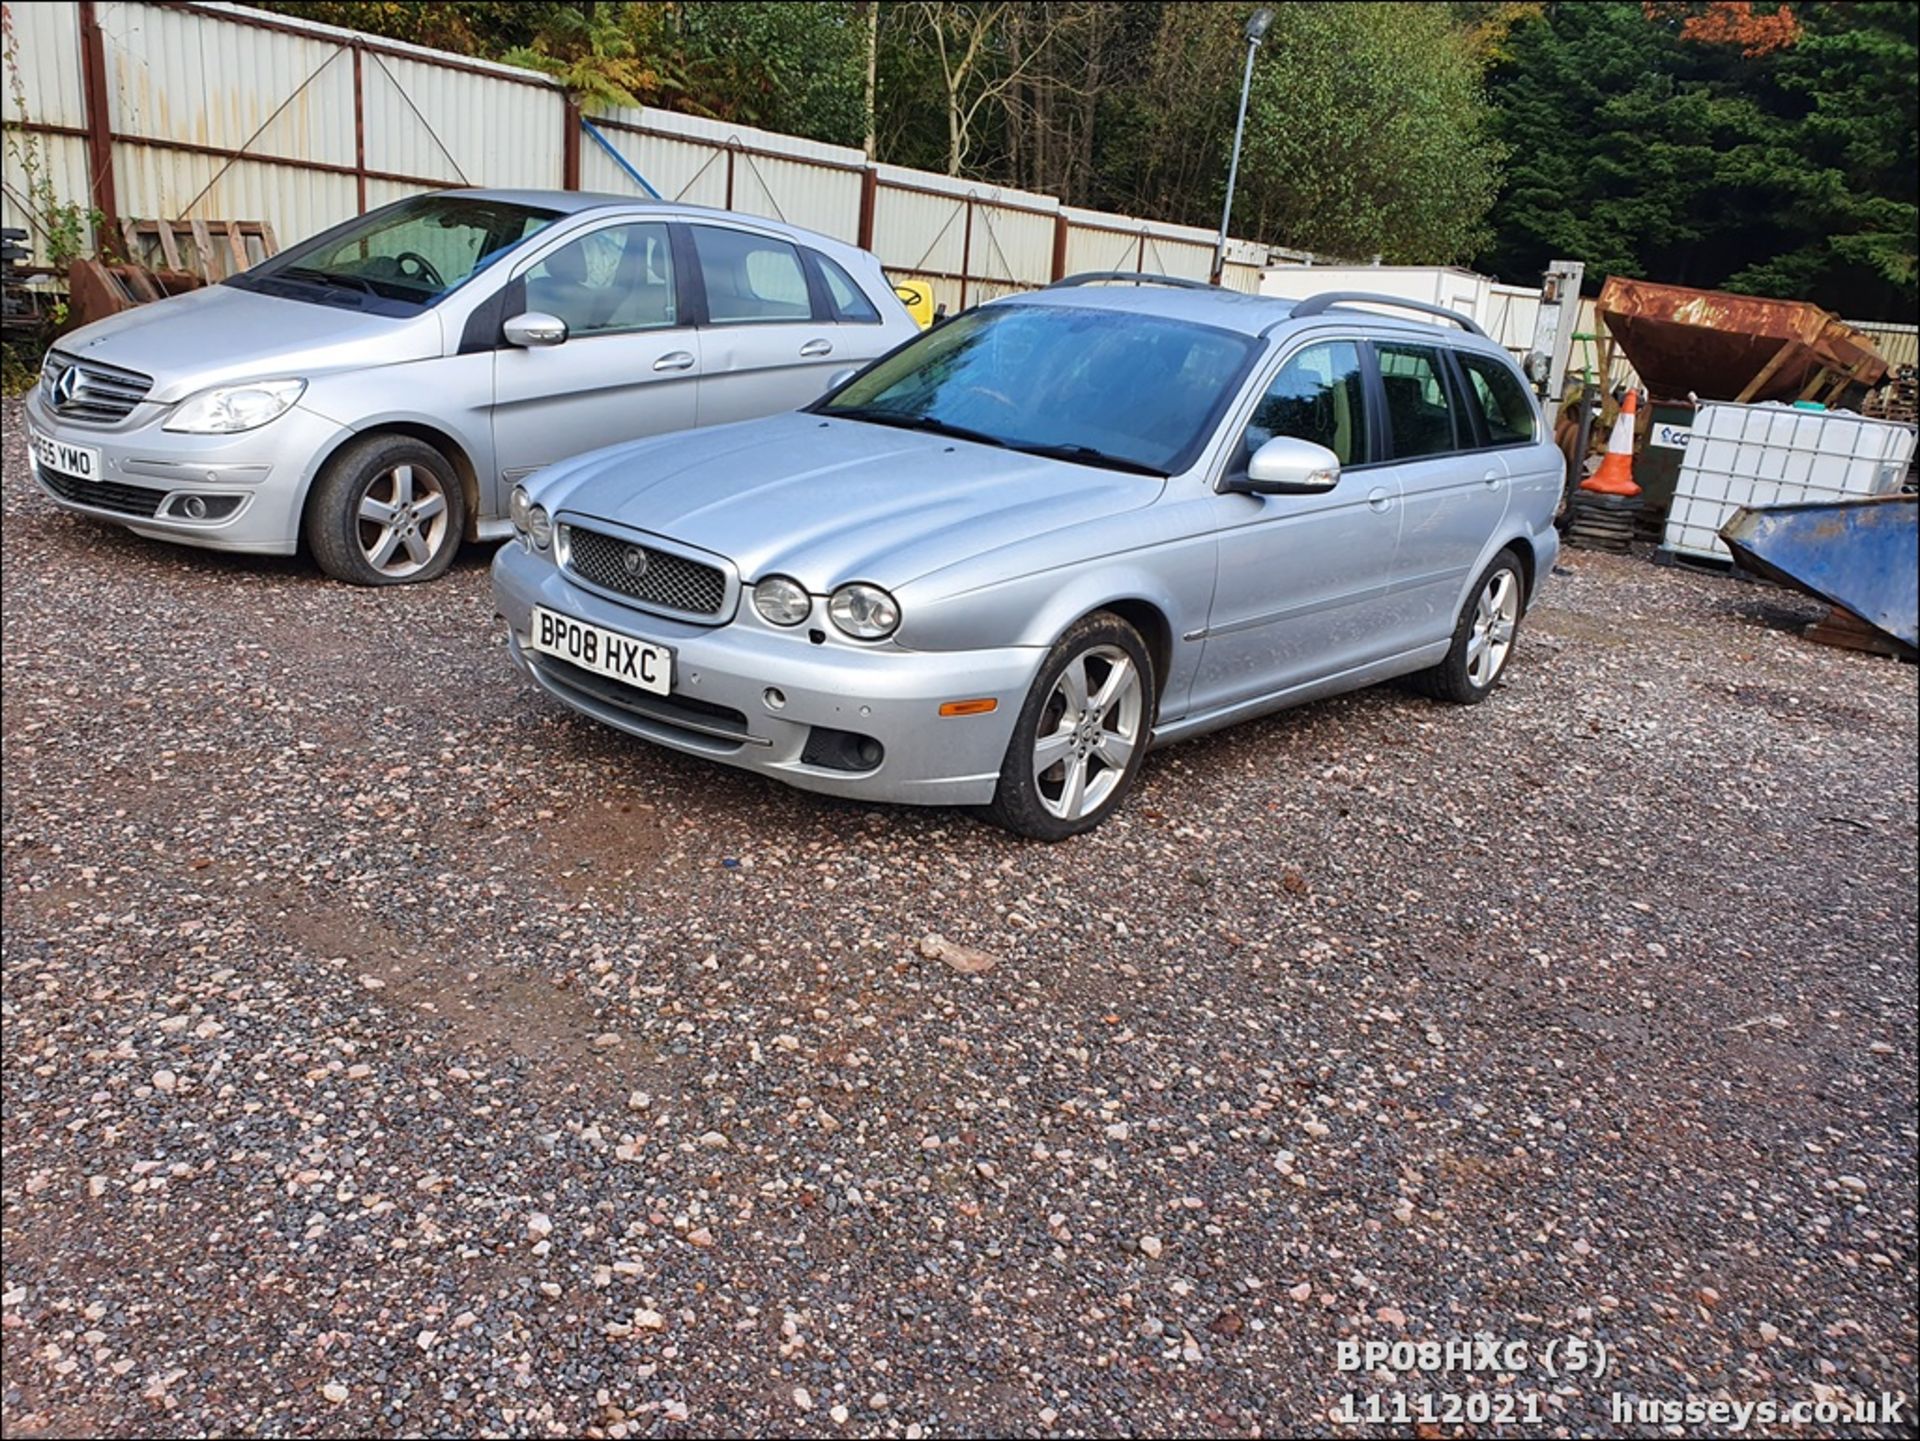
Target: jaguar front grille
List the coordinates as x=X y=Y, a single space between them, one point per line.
x=644 y=573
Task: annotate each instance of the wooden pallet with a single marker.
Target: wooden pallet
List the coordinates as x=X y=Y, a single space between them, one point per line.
x=211 y=249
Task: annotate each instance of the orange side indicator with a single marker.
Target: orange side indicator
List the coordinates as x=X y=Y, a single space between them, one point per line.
x=970 y=707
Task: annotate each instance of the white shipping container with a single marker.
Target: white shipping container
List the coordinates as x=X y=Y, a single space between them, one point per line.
x=1774 y=454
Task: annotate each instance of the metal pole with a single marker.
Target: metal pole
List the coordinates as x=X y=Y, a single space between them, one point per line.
x=1233 y=166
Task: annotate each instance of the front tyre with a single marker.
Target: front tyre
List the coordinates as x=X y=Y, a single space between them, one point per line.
x=388 y=510
x=1482 y=639
x=1082 y=734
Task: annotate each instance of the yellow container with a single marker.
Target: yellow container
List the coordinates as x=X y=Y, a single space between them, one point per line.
x=917 y=296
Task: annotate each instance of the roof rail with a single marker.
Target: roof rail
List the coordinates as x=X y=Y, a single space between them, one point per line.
x=1326 y=300
x=1137 y=277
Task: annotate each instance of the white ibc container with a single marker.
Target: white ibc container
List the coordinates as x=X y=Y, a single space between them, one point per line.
x=1777 y=454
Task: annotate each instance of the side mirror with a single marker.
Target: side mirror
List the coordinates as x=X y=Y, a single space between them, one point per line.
x=1287 y=465
x=534 y=330
x=841 y=377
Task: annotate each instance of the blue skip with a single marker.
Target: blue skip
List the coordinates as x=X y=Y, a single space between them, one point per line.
x=1862 y=556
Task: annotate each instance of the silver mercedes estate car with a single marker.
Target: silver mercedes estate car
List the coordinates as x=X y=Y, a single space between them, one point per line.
x=378 y=389
x=1002 y=562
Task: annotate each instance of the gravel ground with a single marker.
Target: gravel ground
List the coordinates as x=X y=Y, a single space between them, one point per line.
x=388 y=1051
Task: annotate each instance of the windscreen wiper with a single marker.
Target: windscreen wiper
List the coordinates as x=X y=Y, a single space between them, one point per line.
x=899 y=419
x=331 y=278
x=1089 y=455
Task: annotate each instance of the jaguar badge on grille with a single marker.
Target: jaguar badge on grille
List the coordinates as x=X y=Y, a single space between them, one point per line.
x=634 y=561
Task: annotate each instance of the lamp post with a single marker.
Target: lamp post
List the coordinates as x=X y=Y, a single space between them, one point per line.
x=1258 y=24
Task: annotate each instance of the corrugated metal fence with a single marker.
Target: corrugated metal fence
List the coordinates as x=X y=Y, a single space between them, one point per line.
x=143 y=109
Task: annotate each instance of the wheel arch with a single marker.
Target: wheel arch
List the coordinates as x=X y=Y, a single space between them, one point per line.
x=1155 y=629
x=1523 y=551
x=450 y=449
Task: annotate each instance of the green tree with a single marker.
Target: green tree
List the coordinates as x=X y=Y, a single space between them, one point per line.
x=1368 y=134
x=485 y=28
x=1852 y=191
x=606 y=56
x=796 y=66
x=1668 y=144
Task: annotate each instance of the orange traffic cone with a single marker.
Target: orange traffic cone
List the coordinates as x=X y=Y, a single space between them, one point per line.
x=1615 y=475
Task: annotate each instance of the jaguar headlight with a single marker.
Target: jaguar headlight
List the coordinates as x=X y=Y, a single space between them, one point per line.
x=228 y=409
x=530 y=520
x=864 y=612
x=781 y=601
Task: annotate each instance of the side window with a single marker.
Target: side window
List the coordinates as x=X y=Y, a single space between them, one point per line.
x=1417 y=404
x=1501 y=397
x=750 y=277
x=612 y=281
x=1318 y=396
x=850 y=303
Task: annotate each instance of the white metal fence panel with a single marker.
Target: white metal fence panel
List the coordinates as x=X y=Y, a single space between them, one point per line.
x=460 y=126
x=194 y=77
x=44 y=45
x=1898 y=344
x=296 y=203
x=729 y=167
x=1099 y=241
x=57 y=161
x=1012 y=242
x=799 y=192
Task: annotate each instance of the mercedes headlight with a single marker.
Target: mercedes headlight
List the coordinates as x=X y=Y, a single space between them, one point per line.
x=864 y=612
x=227 y=409
x=781 y=601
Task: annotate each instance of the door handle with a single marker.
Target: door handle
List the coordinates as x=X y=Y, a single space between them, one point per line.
x=1493 y=479
x=817 y=347
x=1379 y=498
x=677 y=360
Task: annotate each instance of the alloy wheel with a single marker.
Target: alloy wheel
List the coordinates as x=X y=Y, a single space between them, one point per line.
x=1495 y=619
x=1088 y=730
x=402 y=520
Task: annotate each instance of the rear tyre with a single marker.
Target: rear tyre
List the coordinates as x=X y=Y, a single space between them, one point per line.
x=1482 y=639
x=388 y=510
x=1082 y=735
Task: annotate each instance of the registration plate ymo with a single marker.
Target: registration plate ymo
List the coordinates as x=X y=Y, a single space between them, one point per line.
x=80 y=461
x=602 y=651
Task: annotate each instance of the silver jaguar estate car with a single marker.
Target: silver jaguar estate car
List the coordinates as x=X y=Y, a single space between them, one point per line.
x=1002 y=562
x=378 y=389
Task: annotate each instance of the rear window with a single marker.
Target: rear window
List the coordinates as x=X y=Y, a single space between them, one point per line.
x=1419 y=410
x=1502 y=399
x=850 y=303
x=750 y=277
